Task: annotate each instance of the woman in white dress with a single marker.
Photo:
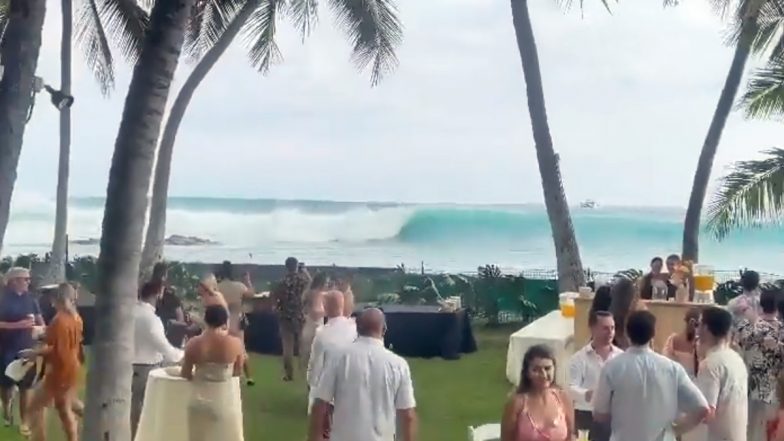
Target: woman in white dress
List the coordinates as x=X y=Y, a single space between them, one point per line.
x=210 y=362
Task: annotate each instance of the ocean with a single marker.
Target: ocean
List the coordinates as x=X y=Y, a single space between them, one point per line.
x=453 y=238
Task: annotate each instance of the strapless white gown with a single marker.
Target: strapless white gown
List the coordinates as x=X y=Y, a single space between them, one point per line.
x=215 y=410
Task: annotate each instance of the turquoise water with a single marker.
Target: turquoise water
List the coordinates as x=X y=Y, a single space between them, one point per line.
x=444 y=237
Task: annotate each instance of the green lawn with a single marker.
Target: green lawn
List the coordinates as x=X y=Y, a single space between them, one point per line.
x=451 y=395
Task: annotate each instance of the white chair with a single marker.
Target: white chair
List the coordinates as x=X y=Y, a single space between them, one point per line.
x=486 y=432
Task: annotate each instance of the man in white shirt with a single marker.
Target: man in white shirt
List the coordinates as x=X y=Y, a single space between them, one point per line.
x=722 y=378
x=642 y=393
x=151 y=347
x=584 y=369
x=371 y=389
x=340 y=331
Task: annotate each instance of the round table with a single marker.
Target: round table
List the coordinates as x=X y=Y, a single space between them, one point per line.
x=165 y=412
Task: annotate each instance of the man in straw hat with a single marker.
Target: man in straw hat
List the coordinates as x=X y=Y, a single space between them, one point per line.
x=19 y=313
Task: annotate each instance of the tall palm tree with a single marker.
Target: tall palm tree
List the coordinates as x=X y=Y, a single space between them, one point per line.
x=373 y=27
x=747 y=34
x=91 y=33
x=751 y=195
x=567 y=252
x=109 y=379
x=19 y=51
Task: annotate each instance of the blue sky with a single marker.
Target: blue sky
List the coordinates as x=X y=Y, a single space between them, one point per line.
x=629 y=97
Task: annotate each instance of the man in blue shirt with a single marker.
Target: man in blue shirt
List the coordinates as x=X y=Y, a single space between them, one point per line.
x=19 y=313
x=643 y=394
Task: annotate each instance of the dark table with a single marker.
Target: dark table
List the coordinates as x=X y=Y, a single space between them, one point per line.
x=412 y=331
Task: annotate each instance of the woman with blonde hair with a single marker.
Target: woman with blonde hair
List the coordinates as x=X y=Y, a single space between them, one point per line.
x=63 y=356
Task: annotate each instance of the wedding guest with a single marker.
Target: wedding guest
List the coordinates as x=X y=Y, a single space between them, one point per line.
x=652 y=278
x=287 y=297
x=169 y=307
x=208 y=292
x=673 y=262
x=344 y=286
x=539 y=410
x=370 y=387
x=625 y=300
x=63 y=358
x=210 y=360
x=584 y=369
x=757 y=339
x=235 y=293
x=340 y=331
x=19 y=313
x=722 y=378
x=748 y=302
x=602 y=299
x=641 y=393
x=151 y=348
x=681 y=347
x=313 y=302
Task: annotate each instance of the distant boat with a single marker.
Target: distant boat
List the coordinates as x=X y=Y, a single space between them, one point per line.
x=589 y=204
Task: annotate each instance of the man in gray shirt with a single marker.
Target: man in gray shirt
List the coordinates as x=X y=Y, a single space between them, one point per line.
x=641 y=393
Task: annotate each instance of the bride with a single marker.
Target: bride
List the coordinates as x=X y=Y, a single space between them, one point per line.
x=210 y=362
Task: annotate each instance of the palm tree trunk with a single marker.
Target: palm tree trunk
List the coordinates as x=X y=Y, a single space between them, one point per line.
x=691 y=225
x=57 y=260
x=567 y=253
x=109 y=380
x=156 y=230
x=19 y=57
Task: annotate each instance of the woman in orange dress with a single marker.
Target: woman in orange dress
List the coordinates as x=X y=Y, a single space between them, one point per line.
x=63 y=357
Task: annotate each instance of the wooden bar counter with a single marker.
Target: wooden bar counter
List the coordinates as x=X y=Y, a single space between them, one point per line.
x=669 y=320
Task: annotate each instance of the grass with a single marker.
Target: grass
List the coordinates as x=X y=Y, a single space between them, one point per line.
x=451 y=395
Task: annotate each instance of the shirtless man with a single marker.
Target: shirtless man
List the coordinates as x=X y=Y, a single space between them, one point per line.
x=235 y=293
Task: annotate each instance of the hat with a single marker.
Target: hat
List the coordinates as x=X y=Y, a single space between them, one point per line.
x=17 y=272
x=17 y=369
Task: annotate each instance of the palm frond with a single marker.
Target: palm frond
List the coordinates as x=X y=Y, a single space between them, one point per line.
x=304 y=14
x=567 y=4
x=751 y=195
x=208 y=21
x=764 y=95
x=126 y=22
x=375 y=31
x=769 y=32
x=260 y=33
x=91 y=35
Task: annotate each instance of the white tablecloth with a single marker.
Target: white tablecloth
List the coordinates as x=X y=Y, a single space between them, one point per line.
x=553 y=330
x=165 y=412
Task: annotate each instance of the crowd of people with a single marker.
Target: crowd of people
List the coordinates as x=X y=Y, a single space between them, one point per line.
x=721 y=378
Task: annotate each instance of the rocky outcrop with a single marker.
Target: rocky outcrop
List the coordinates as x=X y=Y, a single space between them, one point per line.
x=174 y=240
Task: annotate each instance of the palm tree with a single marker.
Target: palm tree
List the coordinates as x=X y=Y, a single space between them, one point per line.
x=373 y=28
x=751 y=195
x=91 y=33
x=19 y=50
x=748 y=35
x=567 y=252
x=109 y=379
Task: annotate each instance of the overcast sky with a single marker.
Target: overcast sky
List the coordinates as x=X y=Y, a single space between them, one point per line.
x=629 y=98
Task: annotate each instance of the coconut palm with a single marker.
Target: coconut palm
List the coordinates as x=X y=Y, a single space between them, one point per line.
x=751 y=195
x=98 y=55
x=567 y=252
x=109 y=375
x=372 y=26
x=126 y=21
x=21 y=43
x=752 y=31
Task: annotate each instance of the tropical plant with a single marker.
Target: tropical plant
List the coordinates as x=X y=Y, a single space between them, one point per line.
x=372 y=26
x=126 y=24
x=751 y=195
x=109 y=375
x=567 y=252
x=755 y=28
x=19 y=49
